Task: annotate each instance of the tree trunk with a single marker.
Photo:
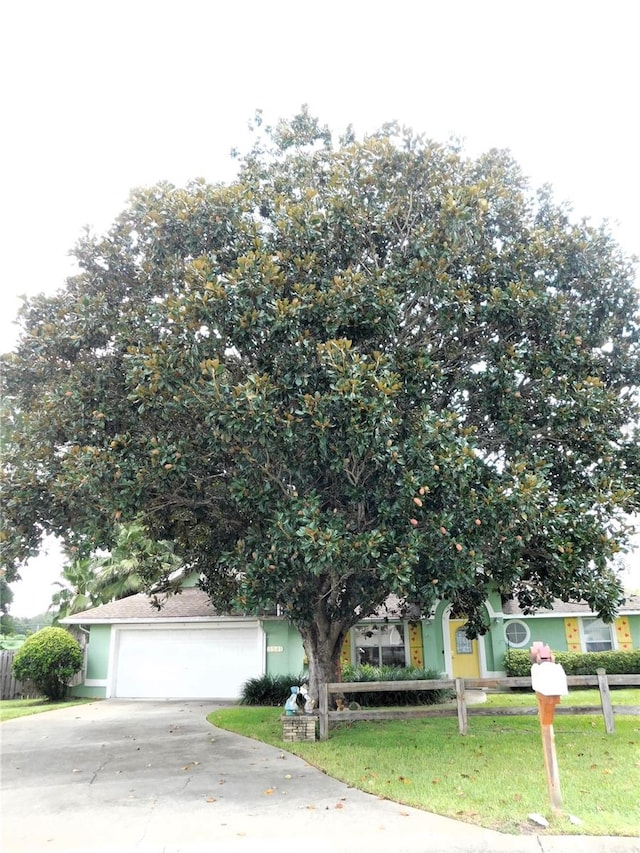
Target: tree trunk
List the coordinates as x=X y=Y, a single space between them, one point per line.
x=323 y=645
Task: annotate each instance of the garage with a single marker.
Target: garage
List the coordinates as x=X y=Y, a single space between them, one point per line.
x=185 y=661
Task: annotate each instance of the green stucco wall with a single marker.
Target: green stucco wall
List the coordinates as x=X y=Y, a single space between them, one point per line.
x=84 y=692
x=493 y=648
x=98 y=652
x=550 y=631
x=281 y=635
x=433 y=646
x=97 y=657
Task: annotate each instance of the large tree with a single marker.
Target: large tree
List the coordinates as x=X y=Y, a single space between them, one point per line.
x=362 y=367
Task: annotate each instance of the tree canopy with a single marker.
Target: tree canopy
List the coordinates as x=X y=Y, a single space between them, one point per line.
x=362 y=367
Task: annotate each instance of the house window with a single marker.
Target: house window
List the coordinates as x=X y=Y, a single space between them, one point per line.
x=380 y=645
x=596 y=635
x=517 y=633
x=464 y=646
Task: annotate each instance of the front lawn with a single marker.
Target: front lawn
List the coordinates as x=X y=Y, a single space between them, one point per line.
x=12 y=708
x=494 y=776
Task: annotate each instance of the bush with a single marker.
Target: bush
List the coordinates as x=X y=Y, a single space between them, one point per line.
x=49 y=659
x=518 y=663
x=272 y=690
x=393 y=697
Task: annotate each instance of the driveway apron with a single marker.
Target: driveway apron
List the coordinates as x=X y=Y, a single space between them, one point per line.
x=155 y=777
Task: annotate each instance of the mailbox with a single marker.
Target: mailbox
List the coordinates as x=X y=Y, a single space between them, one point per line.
x=549 y=679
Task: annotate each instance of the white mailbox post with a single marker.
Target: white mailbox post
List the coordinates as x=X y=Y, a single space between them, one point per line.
x=549 y=681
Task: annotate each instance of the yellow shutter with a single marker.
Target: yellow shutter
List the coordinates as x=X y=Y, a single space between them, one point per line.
x=572 y=634
x=415 y=645
x=623 y=634
x=345 y=654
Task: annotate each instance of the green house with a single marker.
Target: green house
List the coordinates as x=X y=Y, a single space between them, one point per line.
x=188 y=650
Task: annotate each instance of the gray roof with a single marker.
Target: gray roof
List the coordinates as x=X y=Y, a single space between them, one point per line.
x=570 y=608
x=192 y=604
x=396 y=608
x=188 y=603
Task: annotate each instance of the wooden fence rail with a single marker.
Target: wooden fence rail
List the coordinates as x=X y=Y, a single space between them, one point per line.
x=462 y=709
x=10 y=687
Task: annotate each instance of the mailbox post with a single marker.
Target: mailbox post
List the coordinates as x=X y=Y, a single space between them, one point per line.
x=549 y=681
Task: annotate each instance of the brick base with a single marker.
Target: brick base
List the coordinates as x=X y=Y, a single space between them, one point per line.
x=299 y=727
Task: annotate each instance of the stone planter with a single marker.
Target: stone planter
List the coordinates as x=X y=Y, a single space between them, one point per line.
x=299 y=727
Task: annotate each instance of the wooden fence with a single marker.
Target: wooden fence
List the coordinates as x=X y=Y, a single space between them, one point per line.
x=10 y=687
x=462 y=710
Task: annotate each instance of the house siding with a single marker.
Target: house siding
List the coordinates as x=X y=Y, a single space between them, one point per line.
x=94 y=682
x=427 y=641
x=494 y=646
x=551 y=631
x=433 y=641
x=98 y=652
x=285 y=653
x=84 y=691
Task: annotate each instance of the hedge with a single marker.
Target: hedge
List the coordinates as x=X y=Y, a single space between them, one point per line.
x=518 y=662
x=274 y=690
x=397 y=697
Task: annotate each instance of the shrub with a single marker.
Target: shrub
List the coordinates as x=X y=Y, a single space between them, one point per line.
x=518 y=663
x=49 y=659
x=393 y=697
x=270 y=690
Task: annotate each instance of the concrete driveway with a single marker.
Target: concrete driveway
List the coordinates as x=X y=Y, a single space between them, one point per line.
x=155 y=777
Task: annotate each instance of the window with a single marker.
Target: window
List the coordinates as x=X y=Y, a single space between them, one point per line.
x=596 y=636
x=464 y=646
x=517 y=633
x=380 y=645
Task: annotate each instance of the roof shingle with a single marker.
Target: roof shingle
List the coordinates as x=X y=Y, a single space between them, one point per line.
x=188 y=603
x=562 y=608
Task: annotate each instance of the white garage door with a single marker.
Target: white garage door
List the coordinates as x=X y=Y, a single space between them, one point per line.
x=187 y=662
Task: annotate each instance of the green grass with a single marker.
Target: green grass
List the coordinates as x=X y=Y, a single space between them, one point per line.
x=494 y=776
x=10 y=709
x=624 y=696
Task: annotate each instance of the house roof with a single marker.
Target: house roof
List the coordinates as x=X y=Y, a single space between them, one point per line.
x=569 y=608
x=189 y=603
x=193 y=604
x=395 y=608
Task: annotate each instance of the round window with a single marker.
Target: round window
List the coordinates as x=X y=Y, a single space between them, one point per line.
x=517 y=633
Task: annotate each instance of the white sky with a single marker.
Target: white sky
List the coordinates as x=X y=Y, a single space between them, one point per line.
x=100 y=97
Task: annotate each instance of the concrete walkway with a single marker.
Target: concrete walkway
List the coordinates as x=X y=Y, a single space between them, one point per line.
x=155 y=777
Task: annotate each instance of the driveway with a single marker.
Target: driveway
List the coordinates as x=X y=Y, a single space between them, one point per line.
x=155 y=777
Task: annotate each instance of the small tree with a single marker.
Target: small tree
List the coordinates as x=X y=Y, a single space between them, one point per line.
x=49 y=658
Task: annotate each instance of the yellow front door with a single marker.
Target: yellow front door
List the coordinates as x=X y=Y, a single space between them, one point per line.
x=465 y=660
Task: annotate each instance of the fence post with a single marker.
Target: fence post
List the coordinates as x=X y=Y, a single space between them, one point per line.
x=605 y=700
x=462 y=706
x=323 y=712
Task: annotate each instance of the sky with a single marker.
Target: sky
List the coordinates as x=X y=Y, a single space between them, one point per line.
x=101 y=97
